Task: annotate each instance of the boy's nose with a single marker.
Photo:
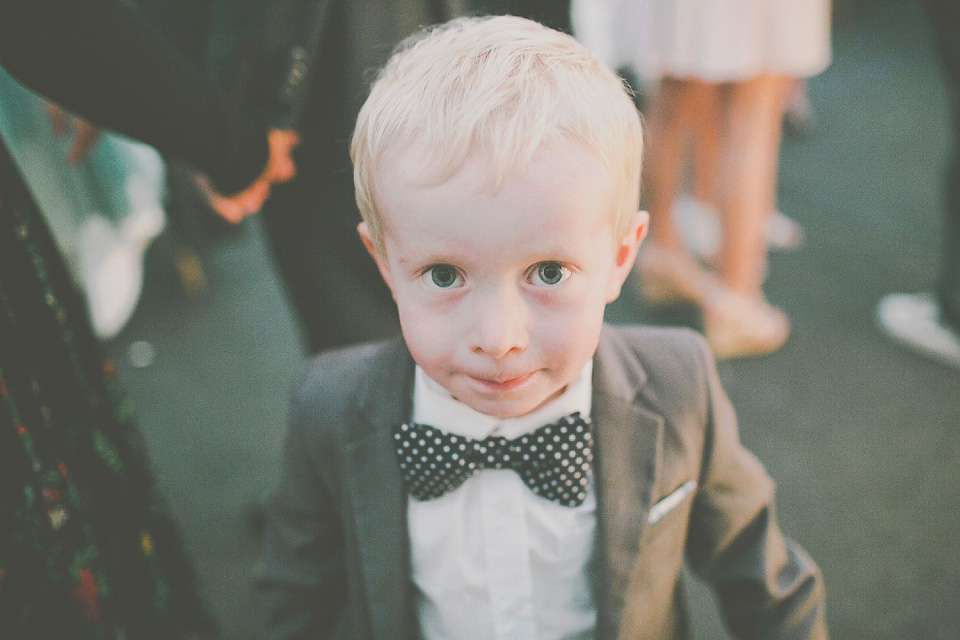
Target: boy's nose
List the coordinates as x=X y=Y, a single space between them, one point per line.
x=499 y=325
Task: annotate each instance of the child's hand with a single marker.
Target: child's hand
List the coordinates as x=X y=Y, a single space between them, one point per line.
x=85 y=134
x=280 y=168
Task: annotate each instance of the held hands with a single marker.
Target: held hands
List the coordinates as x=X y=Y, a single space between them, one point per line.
x=280 y=168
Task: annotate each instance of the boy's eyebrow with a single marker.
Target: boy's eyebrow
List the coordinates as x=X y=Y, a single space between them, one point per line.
x=431 y=255
x=431 y=258
x=561 y=255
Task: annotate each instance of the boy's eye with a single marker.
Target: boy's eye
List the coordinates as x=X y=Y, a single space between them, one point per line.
x=550 y=273
x=442 y=276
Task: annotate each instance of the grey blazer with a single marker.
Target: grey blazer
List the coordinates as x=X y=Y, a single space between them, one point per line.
x=672 y=479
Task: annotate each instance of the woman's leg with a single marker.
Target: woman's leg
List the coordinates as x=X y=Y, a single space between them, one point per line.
x=706 y=151
x=668 y=272
x=752 y=121
x=678 y=106
x=738 y=321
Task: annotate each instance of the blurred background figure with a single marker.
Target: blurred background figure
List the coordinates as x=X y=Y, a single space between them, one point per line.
x=306 y=67
x=929 y=322
x=88 y=548
x=101 y=195
x=724 y=70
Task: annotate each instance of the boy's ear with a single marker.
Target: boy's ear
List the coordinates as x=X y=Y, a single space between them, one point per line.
x=372 y=250
x=627 y=249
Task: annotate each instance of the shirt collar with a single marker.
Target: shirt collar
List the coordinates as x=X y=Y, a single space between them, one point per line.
x=433 y=405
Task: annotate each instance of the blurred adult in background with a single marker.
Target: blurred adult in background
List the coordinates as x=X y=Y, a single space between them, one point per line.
x=307 y=65
x=929 y=322
x=739 y=60
x=727 y=67
x=88 y=550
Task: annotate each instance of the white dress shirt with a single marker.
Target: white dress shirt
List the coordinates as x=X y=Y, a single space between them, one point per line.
x=491 y=559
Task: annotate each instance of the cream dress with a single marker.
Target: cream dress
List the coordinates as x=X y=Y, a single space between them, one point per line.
x=712 y=40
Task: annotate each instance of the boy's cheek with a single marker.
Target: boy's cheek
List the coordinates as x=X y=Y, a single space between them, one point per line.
x=581 y=303
x=426 y=346
x=572 y=326
x=420 y=325
x=416 y=299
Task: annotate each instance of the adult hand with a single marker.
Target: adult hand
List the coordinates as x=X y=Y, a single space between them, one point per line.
x=85 y=134
x=280 y=165
x=280 y=168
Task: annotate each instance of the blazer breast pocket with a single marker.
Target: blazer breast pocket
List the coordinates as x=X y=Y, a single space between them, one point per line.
x=667 y=504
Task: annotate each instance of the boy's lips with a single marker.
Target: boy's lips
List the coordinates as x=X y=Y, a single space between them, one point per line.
x=502 y=383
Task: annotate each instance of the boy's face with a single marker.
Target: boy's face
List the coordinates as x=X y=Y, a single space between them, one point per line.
x=501 y=292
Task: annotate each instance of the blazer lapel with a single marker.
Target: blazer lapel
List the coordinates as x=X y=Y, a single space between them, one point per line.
x=377 y=495
x=628 y=446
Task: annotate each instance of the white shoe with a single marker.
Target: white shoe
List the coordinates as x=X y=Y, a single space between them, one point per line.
x=799 y=119
x=699 y=226
x=914 y=321
x=783 y=232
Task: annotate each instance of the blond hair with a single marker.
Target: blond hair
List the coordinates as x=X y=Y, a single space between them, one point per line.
x=502 y=86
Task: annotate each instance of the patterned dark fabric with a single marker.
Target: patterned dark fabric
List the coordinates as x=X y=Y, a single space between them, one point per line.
x=88 y=550
x=554 y=460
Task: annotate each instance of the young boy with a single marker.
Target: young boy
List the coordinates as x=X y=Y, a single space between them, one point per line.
x=514 y=468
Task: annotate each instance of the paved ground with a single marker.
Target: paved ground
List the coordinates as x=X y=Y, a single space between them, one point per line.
x=862 y=437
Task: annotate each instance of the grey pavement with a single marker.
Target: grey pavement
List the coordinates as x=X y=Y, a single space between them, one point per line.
x=862 y=436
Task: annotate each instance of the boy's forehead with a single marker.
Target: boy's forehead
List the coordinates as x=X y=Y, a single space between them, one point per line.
x=406 y=163
x=567 y=178
x=420 y=164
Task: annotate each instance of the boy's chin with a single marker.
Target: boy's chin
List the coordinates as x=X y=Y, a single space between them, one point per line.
x=505 y=408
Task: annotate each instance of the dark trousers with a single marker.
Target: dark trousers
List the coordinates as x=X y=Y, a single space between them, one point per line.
x=333 y=285
x=945 y=22
x=311 y=222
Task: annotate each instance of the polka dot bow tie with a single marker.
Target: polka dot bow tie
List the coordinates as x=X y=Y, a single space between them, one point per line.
x=554 y=461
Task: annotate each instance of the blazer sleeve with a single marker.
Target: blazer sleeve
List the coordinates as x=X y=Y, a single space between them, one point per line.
x=301 y=590
x=768 y=587
x=290 y=46
x=265 y=54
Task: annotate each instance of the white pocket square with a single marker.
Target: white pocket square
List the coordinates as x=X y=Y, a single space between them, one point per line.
x=668 y=504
